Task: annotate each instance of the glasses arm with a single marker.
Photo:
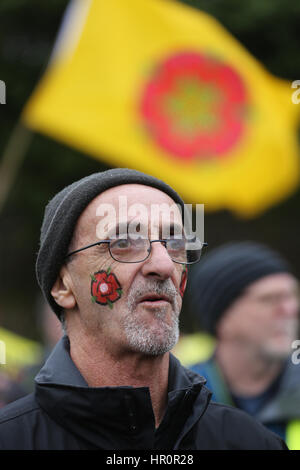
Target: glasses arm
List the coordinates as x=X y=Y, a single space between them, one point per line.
x=204 y=244
x=86 y=247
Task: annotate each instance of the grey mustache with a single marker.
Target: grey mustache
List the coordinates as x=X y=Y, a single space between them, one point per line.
x=162 y=288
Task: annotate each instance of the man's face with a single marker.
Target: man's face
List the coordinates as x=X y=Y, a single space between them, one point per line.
x=265 y=317
x=127 y=306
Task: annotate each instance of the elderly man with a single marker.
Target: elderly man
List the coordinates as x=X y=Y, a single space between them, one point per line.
x=245 y=295
x=115 y=276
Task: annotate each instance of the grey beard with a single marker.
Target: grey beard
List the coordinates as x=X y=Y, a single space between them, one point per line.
x=140 y=336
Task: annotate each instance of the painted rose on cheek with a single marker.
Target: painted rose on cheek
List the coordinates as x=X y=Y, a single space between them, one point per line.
x=183 y=282
x=105 y=288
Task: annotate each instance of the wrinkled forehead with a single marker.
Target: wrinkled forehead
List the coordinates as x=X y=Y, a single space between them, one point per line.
x=131 y=208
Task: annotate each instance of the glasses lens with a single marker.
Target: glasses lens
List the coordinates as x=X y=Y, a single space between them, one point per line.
x=176 y=249
x=194 y=250
x=129 y=250
x=184 y=252
x=134 y=250
x=193 y=256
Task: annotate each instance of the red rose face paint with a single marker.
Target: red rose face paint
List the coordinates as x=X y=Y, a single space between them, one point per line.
x=105 y=288
x=183 y=281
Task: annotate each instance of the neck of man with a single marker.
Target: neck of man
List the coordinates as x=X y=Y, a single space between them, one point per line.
x=247 y=372
x=101 y=367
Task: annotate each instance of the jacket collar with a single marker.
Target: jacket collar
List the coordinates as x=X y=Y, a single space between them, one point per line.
x=118 y=417
x=59 y=368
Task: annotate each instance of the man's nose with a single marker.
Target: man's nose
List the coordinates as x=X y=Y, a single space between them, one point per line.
x=159 y=263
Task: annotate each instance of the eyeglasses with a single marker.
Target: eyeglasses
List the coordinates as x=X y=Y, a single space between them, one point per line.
x=136 y=250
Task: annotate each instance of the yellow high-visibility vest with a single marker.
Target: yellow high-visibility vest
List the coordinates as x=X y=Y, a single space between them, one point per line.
x=293 y=434
x=193 y=348
x=17 y=351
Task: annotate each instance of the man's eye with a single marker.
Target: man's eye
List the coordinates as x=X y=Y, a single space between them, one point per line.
x=120 y=244
x=176 y=244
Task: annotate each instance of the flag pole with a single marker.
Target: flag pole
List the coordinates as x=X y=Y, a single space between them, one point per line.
x=11 y=160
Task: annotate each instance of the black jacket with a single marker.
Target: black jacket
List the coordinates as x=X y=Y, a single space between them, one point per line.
x=64 y=413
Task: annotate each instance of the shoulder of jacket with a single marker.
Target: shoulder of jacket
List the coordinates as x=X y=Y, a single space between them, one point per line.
x=232 y=414
x=18 y=408
x=242 y=428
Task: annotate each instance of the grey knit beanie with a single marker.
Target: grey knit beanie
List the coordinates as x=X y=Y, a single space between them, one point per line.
x=63 y=211
x=223 y=274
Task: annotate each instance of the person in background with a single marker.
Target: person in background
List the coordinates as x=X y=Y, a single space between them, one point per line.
x=50 y=331
x=245 y=295
x=10 y=390
x=22 y=382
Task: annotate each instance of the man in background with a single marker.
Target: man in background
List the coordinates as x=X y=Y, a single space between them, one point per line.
x=245 y=295
x=50 y=331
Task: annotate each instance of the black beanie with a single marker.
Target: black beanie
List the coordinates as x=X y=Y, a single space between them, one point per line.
x=63 y=211
x=221 y=276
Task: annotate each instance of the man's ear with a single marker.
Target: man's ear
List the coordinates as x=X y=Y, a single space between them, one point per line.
x=62 y=291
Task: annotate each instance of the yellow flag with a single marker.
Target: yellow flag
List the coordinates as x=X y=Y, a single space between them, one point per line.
x=163 y=88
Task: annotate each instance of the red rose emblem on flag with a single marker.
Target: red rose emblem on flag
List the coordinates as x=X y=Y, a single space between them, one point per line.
x=194 y=106
x=105 y=288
